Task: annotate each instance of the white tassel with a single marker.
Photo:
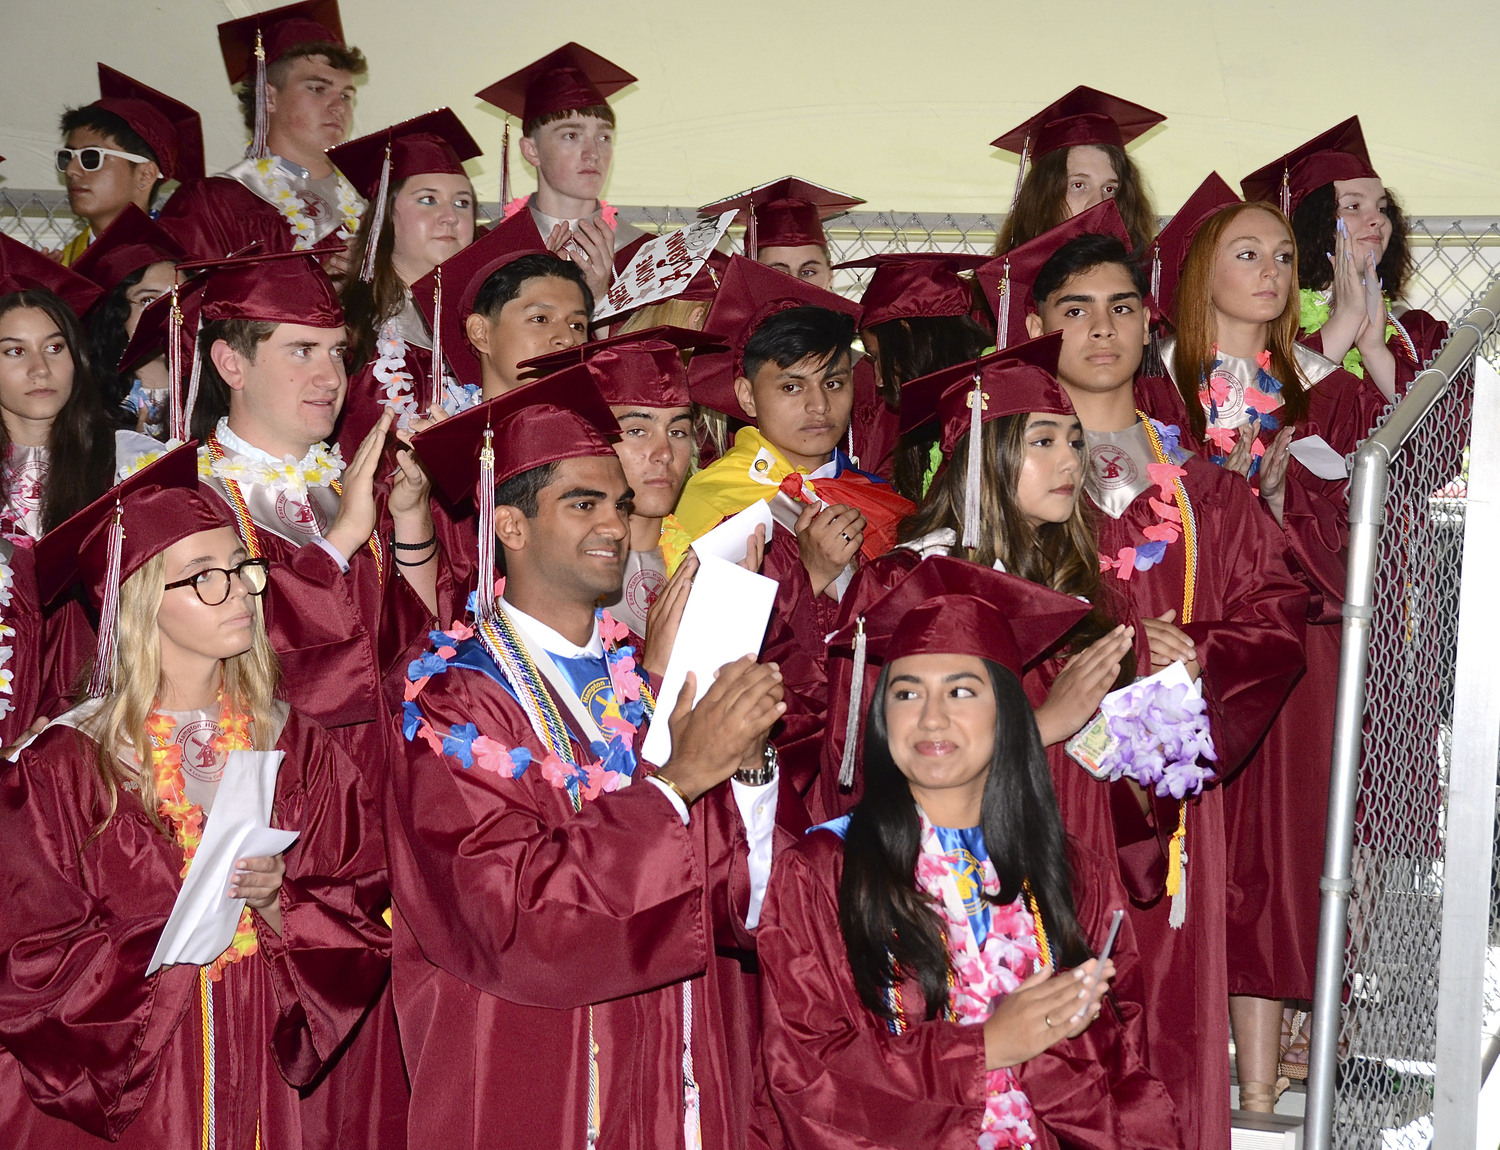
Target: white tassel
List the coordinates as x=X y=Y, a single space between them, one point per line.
x=377 y=218
x=1286 y=192
x=1021 y=172
x=485 y=604
x=972 y=472
x=1156 y=273
x=1002 y=326
x=853 y=459
x=1178 y=914
x=192 y=390
x=102 y=680
x=856 y=703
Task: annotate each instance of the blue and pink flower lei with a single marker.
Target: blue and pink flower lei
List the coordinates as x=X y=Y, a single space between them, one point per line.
x=1159 y=536
x=463 y=742
x=1261 y=399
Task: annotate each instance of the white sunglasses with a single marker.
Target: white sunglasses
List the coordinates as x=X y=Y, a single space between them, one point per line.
x=92 y=159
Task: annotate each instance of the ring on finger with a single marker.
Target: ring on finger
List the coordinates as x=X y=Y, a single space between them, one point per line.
x=1047 y=1018
x=844 y=535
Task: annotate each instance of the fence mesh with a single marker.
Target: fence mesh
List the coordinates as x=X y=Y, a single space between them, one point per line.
x=1456 y=258
x=1387 y=1030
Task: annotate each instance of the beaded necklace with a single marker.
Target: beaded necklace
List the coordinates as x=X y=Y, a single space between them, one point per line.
x=246 y=524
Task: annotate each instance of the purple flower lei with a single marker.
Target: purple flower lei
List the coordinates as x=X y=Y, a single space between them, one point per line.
x=1162 y=732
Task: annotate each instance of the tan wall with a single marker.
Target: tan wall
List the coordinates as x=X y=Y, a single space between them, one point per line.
x=893 y=100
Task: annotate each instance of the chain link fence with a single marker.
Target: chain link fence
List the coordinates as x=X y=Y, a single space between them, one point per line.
x=1456 y=258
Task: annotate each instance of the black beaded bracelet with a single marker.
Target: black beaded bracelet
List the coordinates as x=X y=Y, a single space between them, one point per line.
x=426 y=543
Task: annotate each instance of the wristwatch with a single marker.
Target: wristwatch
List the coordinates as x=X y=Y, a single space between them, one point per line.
x=762 y=774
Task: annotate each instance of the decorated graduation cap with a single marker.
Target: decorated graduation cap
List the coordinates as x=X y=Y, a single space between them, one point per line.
x=445 y=295
x=251 y=44
x=114 y=537
x=750 y=294
x=1170 y=248
x=1006 y=279
x=280 y=287
x=170 y=128
x=471 y=453
x=134 y=241
x=948 y=606
x=23 y=268
x=435 y=142
x=786 y=213
x=967 y=395
x=915 y=285
x=1337 y=154
x=566 y=80
x=1084 y=116
x=640 y=367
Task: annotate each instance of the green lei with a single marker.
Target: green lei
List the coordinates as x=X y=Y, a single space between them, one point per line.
x=1315 y=313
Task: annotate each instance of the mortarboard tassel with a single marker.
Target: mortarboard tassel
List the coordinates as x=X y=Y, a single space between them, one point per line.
x=1015 y=196
x=258 y=150
x=437 y=337
x=972 y=472
x=192 y=390
x=377 y=218
x=174 y=369
x=484 y=605
x=752 y=238
x=856 y=702
x=505 y=165
x=1286 y=192
x=1002 y=326
x=1156 y=272
x=102 y=680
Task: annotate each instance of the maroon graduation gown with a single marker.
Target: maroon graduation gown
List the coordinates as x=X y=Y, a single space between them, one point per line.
x=216 y=216
x=516 y=918
x=31 y=688
x=1276 y=811
x=840 y=1079
x=875 y=424
x=1427 y=332
x=94 y=1050
x=343 y=640
x=364 y=400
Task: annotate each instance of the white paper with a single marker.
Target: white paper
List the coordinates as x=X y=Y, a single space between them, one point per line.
x=1175 y=675
x=201 y=925
x=729 y=539
x=1313 y=453
x=665 y=266
x=725 y=619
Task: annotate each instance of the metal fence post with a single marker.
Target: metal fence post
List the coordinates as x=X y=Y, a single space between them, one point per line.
x=1471 y=789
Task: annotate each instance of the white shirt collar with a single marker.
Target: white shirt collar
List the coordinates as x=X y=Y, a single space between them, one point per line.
x=829 y=470
x=228 y=439
x=551 y=641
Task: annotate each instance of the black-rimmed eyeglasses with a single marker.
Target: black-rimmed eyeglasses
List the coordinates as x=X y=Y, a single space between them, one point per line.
x=212 y=585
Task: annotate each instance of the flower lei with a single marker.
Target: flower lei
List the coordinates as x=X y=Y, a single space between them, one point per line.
x=294 y=211
x=1261 y=398
x=185 y=818
x=464 y=742
x=7 y=634
x=390 y=371
x=318 y=468
x=1316 y=308
x=607 y=211
x=1162 y=731
x=1014 y=948
x=1175 y=518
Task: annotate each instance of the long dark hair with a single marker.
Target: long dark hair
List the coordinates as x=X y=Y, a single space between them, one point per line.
x=1063 y=556
x=107 y=340
x=907 y=349
x=1313 y=228
x=368 y=305
x=889 y=925
x=82 y=439
x=1042 y=204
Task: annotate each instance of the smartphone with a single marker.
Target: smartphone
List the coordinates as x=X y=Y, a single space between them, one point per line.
x=1109 y=946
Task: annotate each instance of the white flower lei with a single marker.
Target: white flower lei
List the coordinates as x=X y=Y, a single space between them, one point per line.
x=7 y=635
x=318 y=468
x=290 y=205
x=390 y=365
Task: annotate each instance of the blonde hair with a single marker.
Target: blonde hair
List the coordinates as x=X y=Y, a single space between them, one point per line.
x=1197 y=328
x=667 y=313
x=249 y=684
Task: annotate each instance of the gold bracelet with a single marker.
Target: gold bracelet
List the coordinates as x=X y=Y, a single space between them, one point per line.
x=676 y=790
